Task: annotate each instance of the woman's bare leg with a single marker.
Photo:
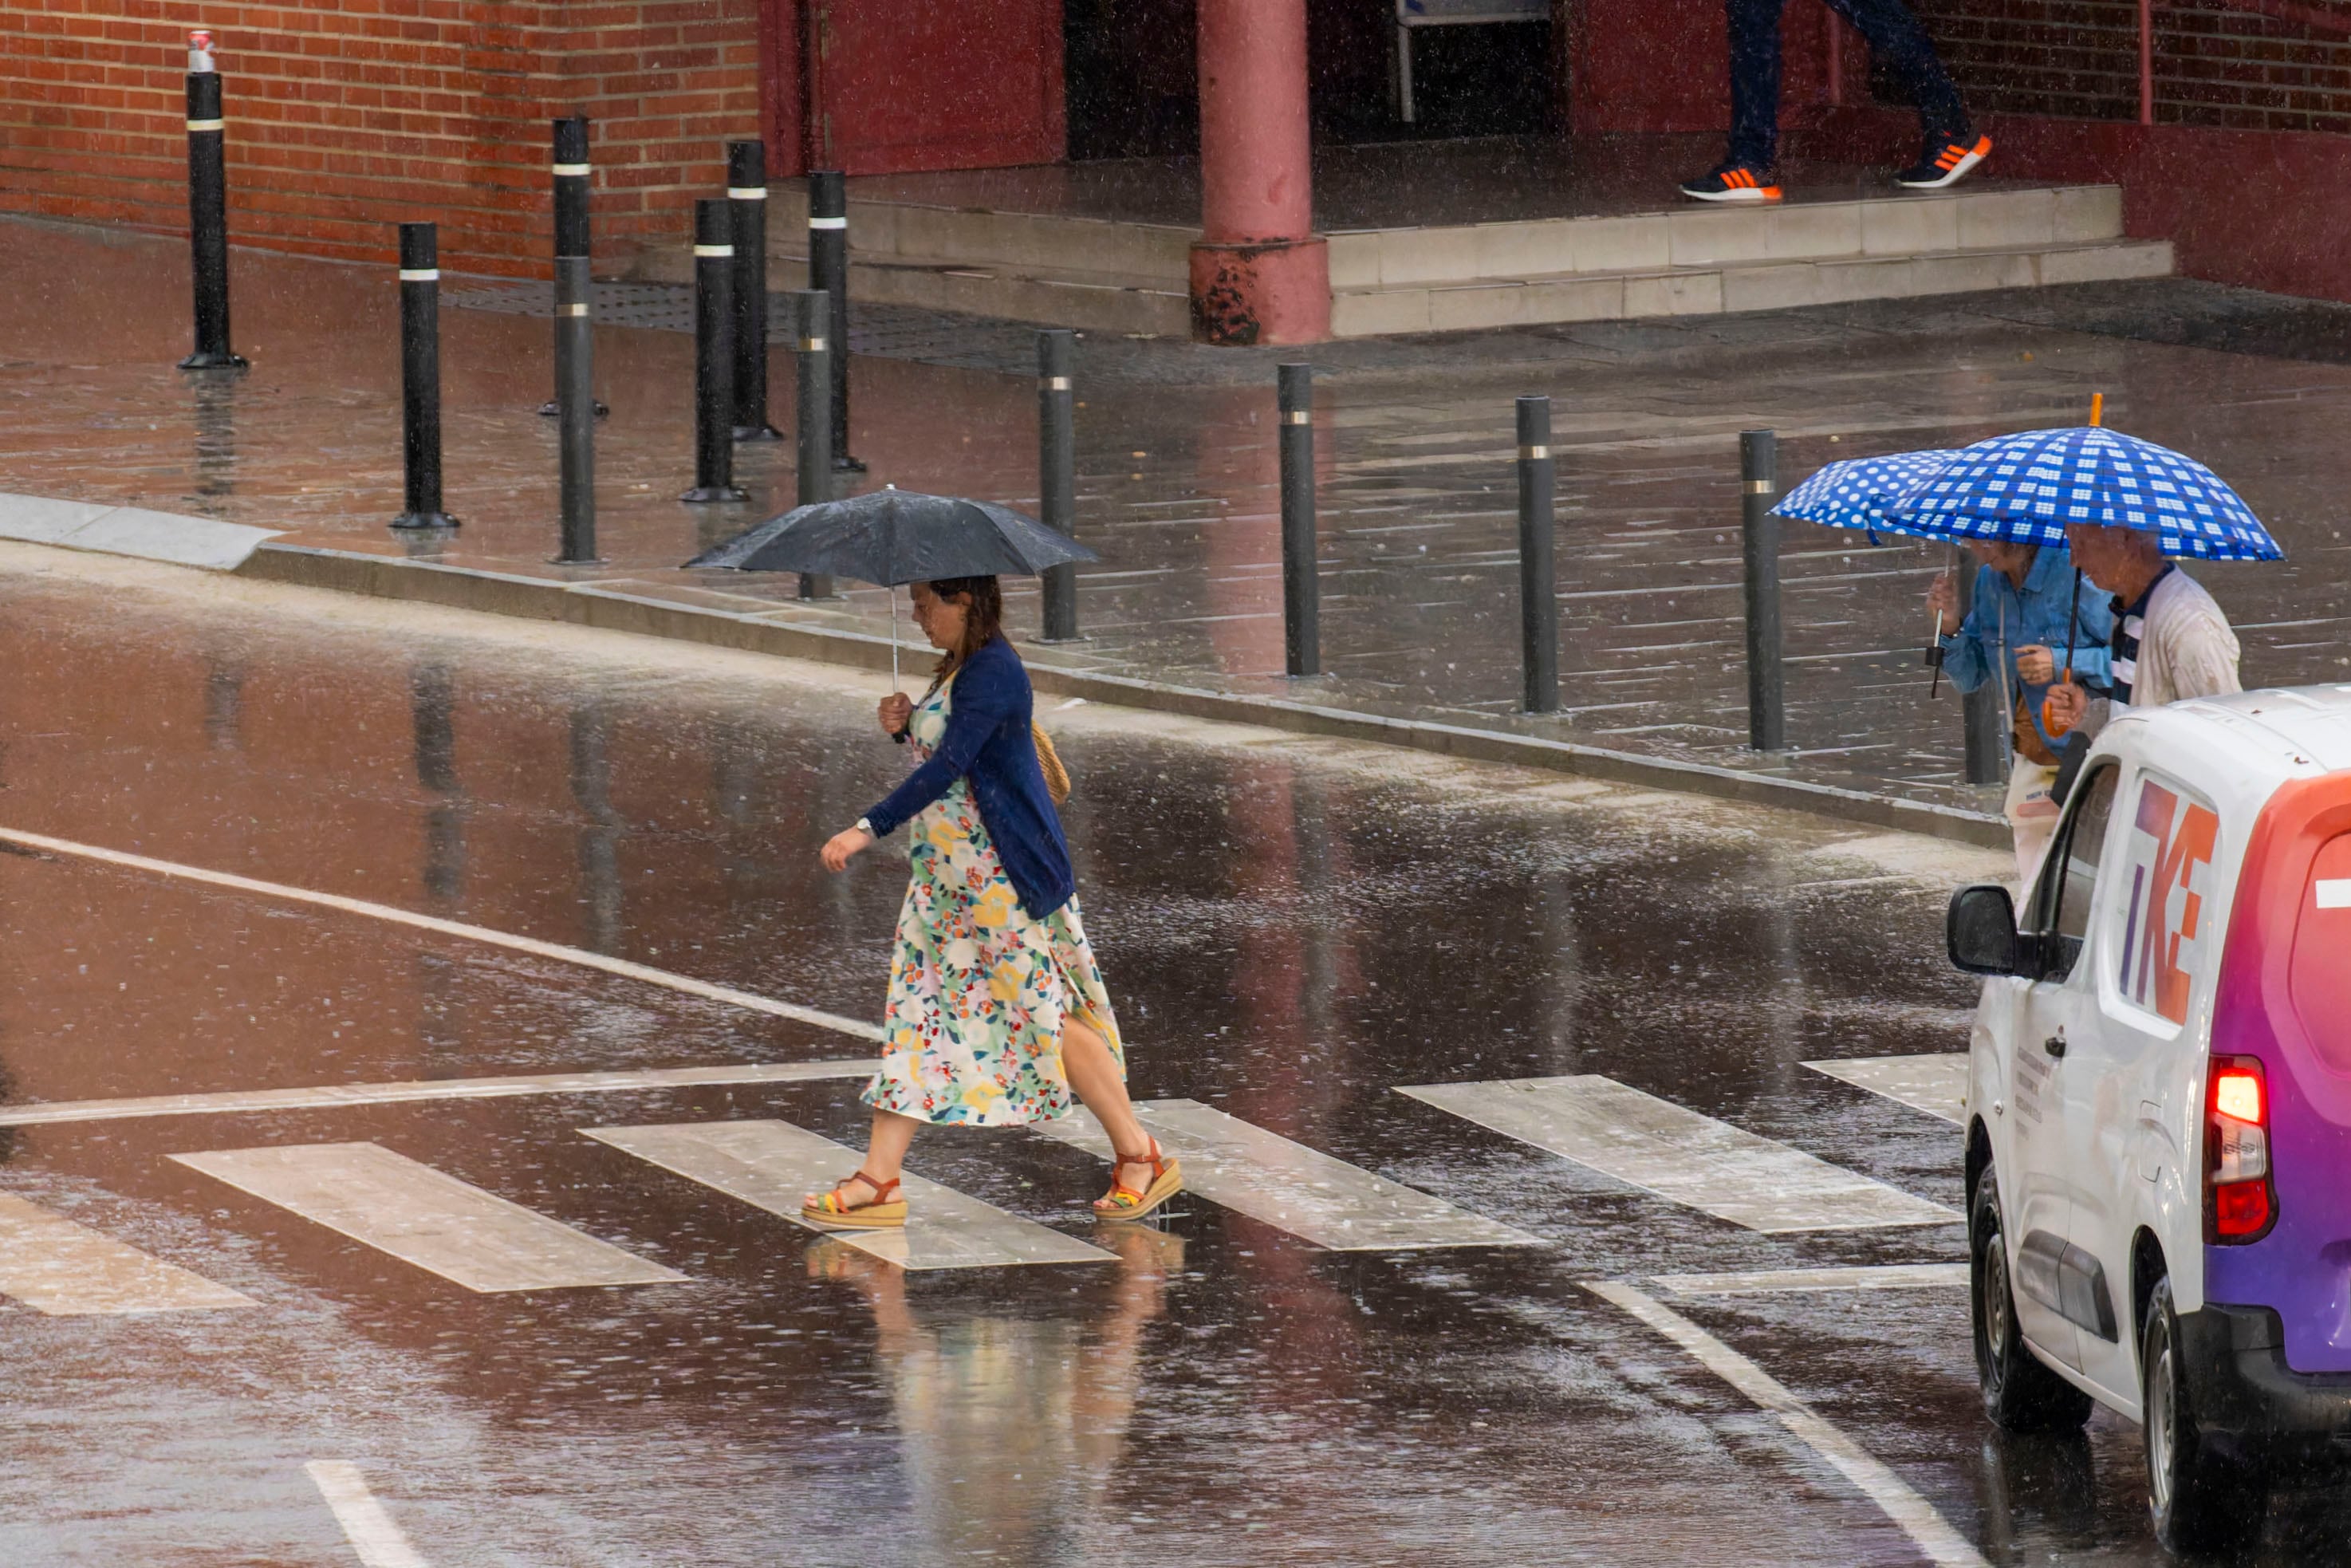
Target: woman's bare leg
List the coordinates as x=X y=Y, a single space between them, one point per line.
x=1095 y=1075
x=885 y=1149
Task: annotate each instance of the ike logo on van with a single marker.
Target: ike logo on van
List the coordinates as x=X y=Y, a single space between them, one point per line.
x=2163 y=929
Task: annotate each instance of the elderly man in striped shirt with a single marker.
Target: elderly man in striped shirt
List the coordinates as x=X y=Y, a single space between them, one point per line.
x=2170 y=640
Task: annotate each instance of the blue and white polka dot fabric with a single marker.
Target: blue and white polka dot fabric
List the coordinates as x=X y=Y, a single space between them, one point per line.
x=1861 y=492
x=2026 y=487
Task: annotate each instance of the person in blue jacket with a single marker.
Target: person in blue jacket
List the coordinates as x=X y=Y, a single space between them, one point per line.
x=2023 y=628
x=997 y=1014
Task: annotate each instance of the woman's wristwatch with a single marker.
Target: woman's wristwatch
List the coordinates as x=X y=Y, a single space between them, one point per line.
x=866 y=828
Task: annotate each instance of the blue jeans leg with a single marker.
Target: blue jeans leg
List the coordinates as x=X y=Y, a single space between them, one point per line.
x=1893 y=37
x=1754 y=81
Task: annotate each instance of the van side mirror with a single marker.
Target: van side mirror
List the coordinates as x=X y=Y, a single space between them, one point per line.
x=1980 y=930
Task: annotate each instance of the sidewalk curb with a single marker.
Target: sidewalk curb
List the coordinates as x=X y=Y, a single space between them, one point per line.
x=605 y=609
x=166 y=537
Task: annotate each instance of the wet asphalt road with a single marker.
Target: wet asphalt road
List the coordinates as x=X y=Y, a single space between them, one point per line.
x=1290 y=929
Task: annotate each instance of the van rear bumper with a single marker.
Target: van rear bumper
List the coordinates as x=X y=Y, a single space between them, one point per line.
x=2244 y=1392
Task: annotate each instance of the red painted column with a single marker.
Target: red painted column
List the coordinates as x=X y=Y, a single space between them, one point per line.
x=1259 y=275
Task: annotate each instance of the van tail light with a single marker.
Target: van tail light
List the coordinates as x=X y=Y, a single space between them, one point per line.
x=2240 y=1202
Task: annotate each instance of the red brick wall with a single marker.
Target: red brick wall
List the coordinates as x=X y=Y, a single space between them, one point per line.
x=346 y=117
x=2215 y=63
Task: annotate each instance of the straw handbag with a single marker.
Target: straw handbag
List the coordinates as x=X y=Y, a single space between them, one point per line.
x=1048 y=762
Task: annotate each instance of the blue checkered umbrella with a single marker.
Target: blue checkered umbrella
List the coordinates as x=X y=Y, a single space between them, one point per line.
x=1861 y=492
x=2026 y=487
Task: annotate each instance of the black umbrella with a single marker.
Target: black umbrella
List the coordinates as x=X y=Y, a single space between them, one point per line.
x=891 y=536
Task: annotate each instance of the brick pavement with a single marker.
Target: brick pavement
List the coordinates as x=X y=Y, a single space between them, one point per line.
x=1177 y=470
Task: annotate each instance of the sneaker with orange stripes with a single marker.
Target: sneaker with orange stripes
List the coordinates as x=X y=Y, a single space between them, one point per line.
x=1945 y=162
x=1732 y=182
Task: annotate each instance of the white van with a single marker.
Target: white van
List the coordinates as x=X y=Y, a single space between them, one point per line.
x=2158 y=1154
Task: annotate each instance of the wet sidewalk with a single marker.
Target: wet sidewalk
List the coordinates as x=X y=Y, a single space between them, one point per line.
x=1176 y=475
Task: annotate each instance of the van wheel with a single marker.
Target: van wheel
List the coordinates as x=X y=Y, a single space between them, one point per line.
x=2020 y=1395
x=2200 y=1501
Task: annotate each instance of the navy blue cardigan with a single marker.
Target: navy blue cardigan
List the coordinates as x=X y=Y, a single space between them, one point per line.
x=988 y=741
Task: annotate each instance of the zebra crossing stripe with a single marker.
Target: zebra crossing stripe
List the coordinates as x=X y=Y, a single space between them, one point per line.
x=64 y=1270
x=423 y=1217
x=1776 y=1281
x=774 y=1164
x=1294 y=1189
x=1680 y=1155
x=1936 y=1083
x=374 y=1538
x=329 y=1095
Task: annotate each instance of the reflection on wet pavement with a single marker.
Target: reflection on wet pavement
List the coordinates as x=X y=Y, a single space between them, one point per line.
x=1293 y=930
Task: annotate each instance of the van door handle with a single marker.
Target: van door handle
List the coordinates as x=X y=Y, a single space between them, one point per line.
x=2055 y=1044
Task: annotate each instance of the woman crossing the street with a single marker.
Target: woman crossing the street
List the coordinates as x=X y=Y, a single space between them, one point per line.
x=997 y=1014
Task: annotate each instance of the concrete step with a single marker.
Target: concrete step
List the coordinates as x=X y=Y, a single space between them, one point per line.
x=987 y=238
x=1691 y=235
x=1969 y=218
x=1717 y=290
x=1103 y=276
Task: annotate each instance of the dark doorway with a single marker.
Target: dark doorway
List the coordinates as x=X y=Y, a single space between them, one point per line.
x=1133 y=79
x=1133 y=76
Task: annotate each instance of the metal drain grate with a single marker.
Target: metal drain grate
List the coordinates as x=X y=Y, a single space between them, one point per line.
x=887 y=331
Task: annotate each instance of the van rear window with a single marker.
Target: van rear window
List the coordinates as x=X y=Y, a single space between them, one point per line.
x=2321 y=987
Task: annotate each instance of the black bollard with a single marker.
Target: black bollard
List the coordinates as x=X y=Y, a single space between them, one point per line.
x=714 y=353
x=1767 y=719
x=1982 y=711
x=208 y=210
x=747 y=196
x=576 y=410
x=1057 y=473
x=1301 y=632
x=811 y=319
x=569 y=172
x=828 y=271
x=420 y=379
x=1537 y=571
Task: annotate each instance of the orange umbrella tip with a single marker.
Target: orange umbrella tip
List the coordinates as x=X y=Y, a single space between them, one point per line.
x=2097 y=409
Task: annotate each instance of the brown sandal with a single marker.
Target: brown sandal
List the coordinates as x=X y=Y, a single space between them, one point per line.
x=1124 y=1202
x=833 y=1211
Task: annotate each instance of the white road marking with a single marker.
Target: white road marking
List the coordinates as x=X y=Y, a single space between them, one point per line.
x=423 y=1217
x=64 y=1270
x=1870 y=1277
x=1913 y=1514
x=482 y=934
x=231 y=1101
x=1680 y=1155
x=370 y=1530
x=774 y=1164
x=1935 y=1082
x=1287 y=1186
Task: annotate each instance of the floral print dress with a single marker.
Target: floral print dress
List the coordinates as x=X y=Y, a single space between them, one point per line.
x=978 y=989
